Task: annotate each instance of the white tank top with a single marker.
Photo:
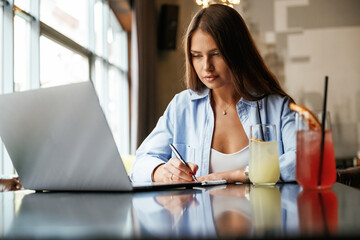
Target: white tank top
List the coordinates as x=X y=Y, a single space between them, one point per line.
x=220 y=162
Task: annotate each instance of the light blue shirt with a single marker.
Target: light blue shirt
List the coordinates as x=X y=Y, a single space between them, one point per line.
x=188 y=123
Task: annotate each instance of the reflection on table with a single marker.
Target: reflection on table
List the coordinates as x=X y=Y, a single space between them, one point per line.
x=211 y=212
x=318 y=212
x=72 y=215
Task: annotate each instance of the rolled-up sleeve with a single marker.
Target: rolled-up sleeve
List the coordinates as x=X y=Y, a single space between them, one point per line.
x=288 y=135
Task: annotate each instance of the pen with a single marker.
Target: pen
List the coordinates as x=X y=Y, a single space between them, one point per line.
x=175 y=151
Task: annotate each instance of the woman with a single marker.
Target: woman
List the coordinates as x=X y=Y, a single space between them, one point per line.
x=209 y=123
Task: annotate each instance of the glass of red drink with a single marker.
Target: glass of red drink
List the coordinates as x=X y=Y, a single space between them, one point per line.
x=314 y=170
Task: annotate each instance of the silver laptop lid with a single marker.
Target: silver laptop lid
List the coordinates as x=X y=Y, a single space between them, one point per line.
x=58 y=139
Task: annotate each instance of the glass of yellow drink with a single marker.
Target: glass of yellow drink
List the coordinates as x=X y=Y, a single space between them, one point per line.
x=264 y=157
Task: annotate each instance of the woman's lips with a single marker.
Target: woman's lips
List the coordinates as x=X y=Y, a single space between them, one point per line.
x=210 y=78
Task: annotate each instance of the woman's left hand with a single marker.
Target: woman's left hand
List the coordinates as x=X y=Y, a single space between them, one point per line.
x=232 y=176
x=212 y=177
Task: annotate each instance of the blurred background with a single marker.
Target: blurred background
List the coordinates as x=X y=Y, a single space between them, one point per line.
x=301 y=41
x=132 y=51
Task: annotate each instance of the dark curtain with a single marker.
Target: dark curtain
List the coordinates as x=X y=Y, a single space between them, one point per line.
x=143 y=65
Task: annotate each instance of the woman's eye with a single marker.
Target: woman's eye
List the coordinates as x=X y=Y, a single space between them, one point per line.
x=195 y=55
x=216 y=54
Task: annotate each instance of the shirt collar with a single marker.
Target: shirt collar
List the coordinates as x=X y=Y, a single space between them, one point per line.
x=199 y=95
x=251 y=103
x=204 y=93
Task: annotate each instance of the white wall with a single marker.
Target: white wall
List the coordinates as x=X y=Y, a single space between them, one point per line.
x=334 y=52
x=302 y=41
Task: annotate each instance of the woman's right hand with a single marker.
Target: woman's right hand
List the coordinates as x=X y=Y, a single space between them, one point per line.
x=174 y=171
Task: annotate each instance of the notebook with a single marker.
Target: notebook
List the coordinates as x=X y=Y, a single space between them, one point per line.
x=58 y=139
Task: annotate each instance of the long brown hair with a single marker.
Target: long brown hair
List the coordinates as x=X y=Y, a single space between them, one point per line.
x=252 y=79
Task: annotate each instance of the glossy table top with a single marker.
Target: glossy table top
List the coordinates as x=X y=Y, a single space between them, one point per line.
x=212 y=212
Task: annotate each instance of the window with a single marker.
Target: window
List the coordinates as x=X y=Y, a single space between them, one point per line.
x=118 y=99
x=69 y=17
x=7 y=72
x=21 y=54
x=23 y=4
x=53 y=42
x=1 y=43
x=115 y=36
x=98 y=27
x=60 y=65
x=99 y=72
x=1 y=76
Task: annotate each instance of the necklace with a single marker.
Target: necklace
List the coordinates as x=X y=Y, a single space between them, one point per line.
x=224 y=111
x=227 y=107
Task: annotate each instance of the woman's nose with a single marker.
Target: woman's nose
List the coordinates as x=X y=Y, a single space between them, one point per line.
x=208 y=66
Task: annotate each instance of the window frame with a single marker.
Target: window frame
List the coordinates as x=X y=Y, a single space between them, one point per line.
x=7 y=80
x=38 y=29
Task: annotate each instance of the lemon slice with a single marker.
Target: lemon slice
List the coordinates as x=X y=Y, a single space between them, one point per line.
x=256 y=140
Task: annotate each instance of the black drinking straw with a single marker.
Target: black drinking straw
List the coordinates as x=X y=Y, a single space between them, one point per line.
x=323 y=130
x=259 y=117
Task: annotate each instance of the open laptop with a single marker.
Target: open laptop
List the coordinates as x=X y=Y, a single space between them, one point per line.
x=58 y=139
